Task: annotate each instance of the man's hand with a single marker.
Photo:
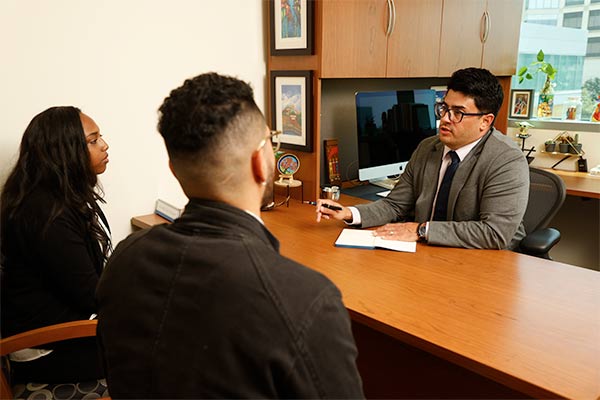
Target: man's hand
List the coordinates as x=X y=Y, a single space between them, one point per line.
x=342 y=213
x=405 y=231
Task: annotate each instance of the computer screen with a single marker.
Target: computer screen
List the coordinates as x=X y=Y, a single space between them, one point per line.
x=390 y=125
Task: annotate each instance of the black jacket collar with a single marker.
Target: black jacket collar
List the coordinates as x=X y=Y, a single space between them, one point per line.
x=206 y=215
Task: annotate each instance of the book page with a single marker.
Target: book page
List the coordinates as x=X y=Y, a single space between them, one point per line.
x=356 y=238
x=363 y=238
x=396 y=245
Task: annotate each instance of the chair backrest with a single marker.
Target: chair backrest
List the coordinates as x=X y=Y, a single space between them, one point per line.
x=547 y=193
x=41 y=336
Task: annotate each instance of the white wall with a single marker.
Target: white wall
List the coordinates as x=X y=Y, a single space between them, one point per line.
x=117 y=60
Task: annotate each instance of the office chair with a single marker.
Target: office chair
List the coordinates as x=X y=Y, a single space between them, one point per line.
x=39 y=337
x=547 y=193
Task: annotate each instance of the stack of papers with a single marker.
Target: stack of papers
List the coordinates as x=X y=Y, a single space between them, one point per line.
x=358 y=238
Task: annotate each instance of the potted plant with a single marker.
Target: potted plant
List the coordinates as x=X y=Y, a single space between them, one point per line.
x=575 y=147
x=565 y=143
x=546 y=98
x=550 y=146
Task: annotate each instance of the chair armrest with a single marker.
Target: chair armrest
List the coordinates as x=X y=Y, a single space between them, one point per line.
x=540 y=242
x=48 y=334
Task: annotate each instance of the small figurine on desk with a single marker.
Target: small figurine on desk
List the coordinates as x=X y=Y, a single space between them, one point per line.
x=287 y=165
x=524 y=134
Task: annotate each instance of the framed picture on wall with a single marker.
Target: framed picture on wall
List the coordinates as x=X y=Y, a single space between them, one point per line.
x=291 y=104
x=521 y=102
x=291 y=27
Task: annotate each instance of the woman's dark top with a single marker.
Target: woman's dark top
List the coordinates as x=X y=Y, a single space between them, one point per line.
x=50 y=277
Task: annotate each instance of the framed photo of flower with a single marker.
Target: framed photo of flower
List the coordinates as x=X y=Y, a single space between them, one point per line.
x=291 y=105
x=291 y=26
x=521 y=103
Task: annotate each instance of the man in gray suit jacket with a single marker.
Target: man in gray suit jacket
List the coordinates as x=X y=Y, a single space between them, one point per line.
x=481 y=201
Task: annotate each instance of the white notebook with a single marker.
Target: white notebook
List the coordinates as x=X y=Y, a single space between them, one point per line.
x=360 y=238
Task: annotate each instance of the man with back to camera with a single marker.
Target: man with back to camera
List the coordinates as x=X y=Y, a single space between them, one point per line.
x=466 y=187
x=206 y=306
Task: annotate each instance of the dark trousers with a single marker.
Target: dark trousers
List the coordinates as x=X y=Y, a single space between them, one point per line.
x=71 y=361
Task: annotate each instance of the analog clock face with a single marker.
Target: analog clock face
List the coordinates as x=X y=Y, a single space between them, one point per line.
x=288 y=164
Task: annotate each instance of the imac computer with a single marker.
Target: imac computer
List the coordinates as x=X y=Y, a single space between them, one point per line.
x=390 y=125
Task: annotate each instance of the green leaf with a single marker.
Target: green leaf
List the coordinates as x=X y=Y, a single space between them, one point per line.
x=540 y=55
x=529 y=76
x=521 y=79
x=522 y=71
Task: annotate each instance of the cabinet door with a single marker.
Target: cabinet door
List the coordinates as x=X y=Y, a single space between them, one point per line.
x=414 y=45
x=354 y=41
x=500 y=51
x=460 y=45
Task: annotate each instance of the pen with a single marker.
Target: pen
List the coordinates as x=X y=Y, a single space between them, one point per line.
x=331 y=207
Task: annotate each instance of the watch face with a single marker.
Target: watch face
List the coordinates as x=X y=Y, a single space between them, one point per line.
x=421 y=230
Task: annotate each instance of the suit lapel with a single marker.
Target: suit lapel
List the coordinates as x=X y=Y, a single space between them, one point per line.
x=432 y=169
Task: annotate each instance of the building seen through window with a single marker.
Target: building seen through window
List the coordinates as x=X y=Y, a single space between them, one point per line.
x=568 y=32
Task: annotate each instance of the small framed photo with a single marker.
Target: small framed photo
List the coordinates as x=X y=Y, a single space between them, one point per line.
x=291 y=27
x=521 y=103
x=291 y=105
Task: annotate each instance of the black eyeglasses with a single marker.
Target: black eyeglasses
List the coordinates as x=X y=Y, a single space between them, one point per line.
x=455 y=116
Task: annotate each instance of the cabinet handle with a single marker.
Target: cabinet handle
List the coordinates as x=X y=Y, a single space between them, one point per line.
x=486 y=26
x=393 y=16
x=388 y=29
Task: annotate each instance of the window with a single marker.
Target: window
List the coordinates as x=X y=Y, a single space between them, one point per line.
x=559 y=28
x=594 y=20
x=537 y=4
x=572 y=20
x=593 y=47
x=550 y=20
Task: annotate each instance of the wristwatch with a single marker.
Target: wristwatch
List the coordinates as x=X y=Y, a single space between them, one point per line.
x=422 y=231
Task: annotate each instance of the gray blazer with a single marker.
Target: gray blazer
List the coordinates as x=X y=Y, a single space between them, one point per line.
x=487 y=199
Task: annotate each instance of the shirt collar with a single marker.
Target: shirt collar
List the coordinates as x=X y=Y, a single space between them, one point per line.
x=256 y=217
x=463 y=151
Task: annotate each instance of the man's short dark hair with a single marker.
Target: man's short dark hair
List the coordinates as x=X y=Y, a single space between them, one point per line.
x=194 y=116
x=481 y=85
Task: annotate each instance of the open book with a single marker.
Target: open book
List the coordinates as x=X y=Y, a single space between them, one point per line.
x=364 y=239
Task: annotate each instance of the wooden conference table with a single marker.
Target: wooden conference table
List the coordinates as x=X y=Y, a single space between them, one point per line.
x=445 y=322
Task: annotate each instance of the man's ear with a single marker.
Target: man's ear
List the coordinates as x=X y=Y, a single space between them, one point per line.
x=258 y=165
x=487 y=121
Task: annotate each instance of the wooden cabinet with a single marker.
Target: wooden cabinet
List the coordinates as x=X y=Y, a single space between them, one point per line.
x=402 y=39
x=380 y=38
x=502 y=44
x=480 y=33
x=414 y=44
x=354 y=40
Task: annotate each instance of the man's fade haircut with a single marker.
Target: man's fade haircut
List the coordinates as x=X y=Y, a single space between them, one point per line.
x=193 y=118
x=481 y=85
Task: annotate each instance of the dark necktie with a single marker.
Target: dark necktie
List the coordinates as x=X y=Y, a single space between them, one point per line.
x=441 y=204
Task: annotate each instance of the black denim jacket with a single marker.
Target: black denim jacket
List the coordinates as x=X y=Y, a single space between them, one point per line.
x=207 y=307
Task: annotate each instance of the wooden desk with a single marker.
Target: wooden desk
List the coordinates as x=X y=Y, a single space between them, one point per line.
x=529 y=324
x=579 y=183
x=146 y=221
